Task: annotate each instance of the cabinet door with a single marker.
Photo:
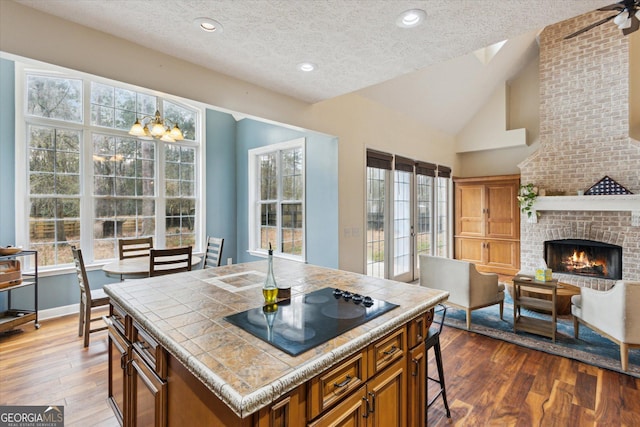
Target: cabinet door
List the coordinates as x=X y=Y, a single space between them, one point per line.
x=417 y=387
x=502 y=254
x=148 y=394
x=119 y=351
x=503 y=218
x=288 y=411
x=387 y=397
x=351 y=412
x=469 y=210
x=471 y=250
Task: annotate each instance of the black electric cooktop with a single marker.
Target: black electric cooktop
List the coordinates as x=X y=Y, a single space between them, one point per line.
x=302 y=322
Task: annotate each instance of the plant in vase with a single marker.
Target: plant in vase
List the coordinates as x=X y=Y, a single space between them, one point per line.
x=527 y=195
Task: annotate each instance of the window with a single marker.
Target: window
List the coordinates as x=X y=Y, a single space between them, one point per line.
x=276 y=199
x=89 y=182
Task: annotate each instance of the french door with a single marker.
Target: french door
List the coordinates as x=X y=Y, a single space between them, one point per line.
x=408 y=214
x=413 y=218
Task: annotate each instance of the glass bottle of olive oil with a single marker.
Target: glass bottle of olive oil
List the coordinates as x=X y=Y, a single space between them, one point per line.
x=270 y=289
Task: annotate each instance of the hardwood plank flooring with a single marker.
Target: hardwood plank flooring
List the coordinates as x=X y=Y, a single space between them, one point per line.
x=489 y=382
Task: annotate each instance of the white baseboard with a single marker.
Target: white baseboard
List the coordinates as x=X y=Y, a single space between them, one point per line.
x=52 y=313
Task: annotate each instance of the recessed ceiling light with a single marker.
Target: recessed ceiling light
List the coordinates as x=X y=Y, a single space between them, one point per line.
x=306 y=66
x=209 y=25
x=411 y=18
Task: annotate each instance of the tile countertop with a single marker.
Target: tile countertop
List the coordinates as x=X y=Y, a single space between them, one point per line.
x=185 y=312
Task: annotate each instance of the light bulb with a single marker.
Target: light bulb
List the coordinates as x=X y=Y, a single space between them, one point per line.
x=620 y=18
x=410 y=18
x=626 y=24
x=137 y=129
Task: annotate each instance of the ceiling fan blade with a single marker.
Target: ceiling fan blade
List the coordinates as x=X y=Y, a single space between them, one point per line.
x=616 y=6
x=589 y=27
x=635 y=25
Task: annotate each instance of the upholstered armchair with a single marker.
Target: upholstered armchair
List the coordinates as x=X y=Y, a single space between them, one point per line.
x=614 y=314
x=468 y=288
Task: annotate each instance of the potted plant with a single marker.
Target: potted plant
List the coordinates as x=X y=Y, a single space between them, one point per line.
x=527 y=195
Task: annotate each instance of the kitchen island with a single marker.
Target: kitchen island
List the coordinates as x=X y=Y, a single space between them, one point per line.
x=175 y=360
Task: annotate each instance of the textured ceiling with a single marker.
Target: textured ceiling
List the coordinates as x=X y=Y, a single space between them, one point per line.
x=355 y=43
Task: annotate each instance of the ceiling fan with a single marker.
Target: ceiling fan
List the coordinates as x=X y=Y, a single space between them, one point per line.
x=627 y=18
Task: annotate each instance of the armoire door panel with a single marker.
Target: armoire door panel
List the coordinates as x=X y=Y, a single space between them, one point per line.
x=469 y=250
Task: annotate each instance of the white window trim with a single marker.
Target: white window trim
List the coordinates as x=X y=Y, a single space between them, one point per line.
x=254 y=214
x=22 y=209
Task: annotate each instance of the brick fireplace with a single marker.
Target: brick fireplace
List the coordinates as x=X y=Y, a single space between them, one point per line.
x=584 y=136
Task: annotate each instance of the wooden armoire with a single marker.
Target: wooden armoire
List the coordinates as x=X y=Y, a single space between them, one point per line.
x=487 y=222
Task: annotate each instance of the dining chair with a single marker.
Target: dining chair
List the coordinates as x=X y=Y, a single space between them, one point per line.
x=213 y=254
x=134 y=248
x=88 y=298
x=433 y=341
x=168 y=261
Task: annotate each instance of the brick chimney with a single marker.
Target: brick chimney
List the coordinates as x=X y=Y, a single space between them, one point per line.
x=584 y=136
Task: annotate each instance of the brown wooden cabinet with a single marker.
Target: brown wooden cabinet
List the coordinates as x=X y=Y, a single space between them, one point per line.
x=137 y=373
x=119 y=354
x=148 y=394
x=381 y=385
x=416 y=386
x=487 y=222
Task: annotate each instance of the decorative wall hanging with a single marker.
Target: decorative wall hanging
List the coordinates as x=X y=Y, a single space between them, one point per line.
x=606 y=186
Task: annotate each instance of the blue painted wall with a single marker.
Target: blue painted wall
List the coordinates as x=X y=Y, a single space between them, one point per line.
x=227 y=142
x=321 y=163
x=7 y=152
x=221 y=181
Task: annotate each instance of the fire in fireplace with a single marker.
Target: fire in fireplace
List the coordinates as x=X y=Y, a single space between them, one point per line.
x=584 y=258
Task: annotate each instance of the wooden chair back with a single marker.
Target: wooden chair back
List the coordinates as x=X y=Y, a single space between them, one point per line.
x=88 y=299
x=213 y=254
x=169 y=261
x=135 y=248
x=81 y=272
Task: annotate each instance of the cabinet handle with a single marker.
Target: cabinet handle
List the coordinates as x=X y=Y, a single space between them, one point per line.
x=366 y=411
x=127 y=370
x=123 y=363
x=343 y=383
x=419 y=337
x=416 y=362
x=373 y=402
x=389 y=352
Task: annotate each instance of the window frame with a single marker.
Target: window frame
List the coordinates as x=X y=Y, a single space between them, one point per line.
x=254 y=199
x=87 y=197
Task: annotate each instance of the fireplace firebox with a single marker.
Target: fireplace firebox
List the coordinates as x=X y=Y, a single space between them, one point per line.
x=584 y=258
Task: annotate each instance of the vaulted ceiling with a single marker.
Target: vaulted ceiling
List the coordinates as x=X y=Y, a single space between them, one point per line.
x=428 y=72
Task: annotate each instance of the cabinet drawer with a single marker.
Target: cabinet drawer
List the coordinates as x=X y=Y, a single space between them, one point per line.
x=119 y=319
x=416 y=330
x=387 y=350
x=150 y=350
x=332 y=386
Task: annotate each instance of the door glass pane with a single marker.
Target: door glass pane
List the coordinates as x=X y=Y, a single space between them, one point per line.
x=423 y=222
x=402 y=223
x=442 y=212
x=376 y=184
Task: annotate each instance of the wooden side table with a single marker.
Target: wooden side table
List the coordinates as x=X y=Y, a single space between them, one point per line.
x=533 y=325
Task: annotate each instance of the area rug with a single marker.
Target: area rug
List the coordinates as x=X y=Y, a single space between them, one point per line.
x=590 y=348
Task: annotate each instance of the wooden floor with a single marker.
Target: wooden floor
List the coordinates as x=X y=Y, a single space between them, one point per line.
x=489 y=382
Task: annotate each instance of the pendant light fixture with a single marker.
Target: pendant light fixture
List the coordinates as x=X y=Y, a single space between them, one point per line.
x=155 y=127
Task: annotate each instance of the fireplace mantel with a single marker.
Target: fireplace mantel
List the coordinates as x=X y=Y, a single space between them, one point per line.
x=621 y=203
